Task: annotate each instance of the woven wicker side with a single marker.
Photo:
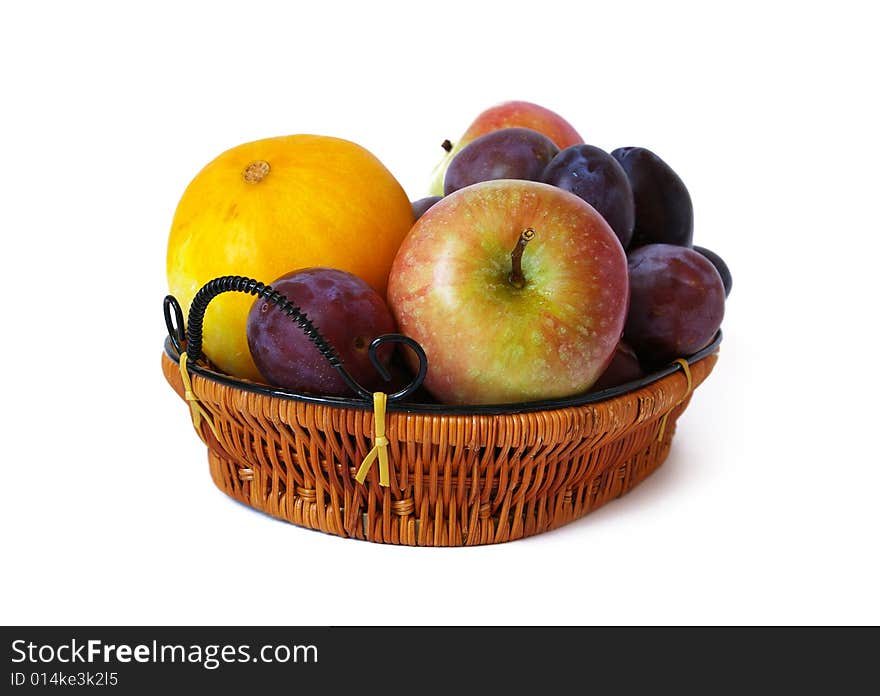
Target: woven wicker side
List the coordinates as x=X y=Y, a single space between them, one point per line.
x=455 y=479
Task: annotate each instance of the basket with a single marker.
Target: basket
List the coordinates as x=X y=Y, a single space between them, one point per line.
x=455 y=476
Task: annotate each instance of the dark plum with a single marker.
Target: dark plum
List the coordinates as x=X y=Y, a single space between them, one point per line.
x=421 y=206
x=676 y=302
x=720 y=266
x=664 y=212
x=508 y=153
x=347 y=312
x=594 y=175
x=624 y=367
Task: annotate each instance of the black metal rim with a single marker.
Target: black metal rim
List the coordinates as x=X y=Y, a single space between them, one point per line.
x=444 y=409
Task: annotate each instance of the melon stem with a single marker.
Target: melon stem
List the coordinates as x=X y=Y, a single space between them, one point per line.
x=256 y=171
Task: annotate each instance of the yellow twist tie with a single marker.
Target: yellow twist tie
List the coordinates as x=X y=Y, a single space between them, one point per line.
x=195 y=407
x=687 y=373
x=380 y=444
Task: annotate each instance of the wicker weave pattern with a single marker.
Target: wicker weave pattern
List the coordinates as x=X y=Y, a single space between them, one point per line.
x=455 y=480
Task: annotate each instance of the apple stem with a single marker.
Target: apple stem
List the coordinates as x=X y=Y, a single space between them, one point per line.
x=516 y=277
x=446 y=145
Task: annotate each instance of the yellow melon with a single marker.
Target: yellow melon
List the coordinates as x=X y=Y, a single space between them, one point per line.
x=265 y=208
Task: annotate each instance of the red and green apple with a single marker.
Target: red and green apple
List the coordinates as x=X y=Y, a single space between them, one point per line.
x=509 y=114
x=517 y=291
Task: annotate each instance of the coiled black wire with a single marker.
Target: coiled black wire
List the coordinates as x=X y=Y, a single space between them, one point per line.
x=193 y=332
x=252 y=287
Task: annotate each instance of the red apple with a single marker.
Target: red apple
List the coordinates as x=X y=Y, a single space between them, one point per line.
x=517 y=291
x=510 y=114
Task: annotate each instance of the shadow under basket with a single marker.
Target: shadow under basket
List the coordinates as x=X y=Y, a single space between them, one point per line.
x=457 y=476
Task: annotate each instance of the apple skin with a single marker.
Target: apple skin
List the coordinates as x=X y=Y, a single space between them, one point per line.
x=509 y=114
x=488 y=342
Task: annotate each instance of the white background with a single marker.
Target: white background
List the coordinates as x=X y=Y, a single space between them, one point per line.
x=765 y=512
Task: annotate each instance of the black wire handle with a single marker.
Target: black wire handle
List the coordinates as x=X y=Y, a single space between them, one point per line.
x=193 y=332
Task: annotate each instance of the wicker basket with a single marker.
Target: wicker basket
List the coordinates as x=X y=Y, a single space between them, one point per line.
x=458 y=476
